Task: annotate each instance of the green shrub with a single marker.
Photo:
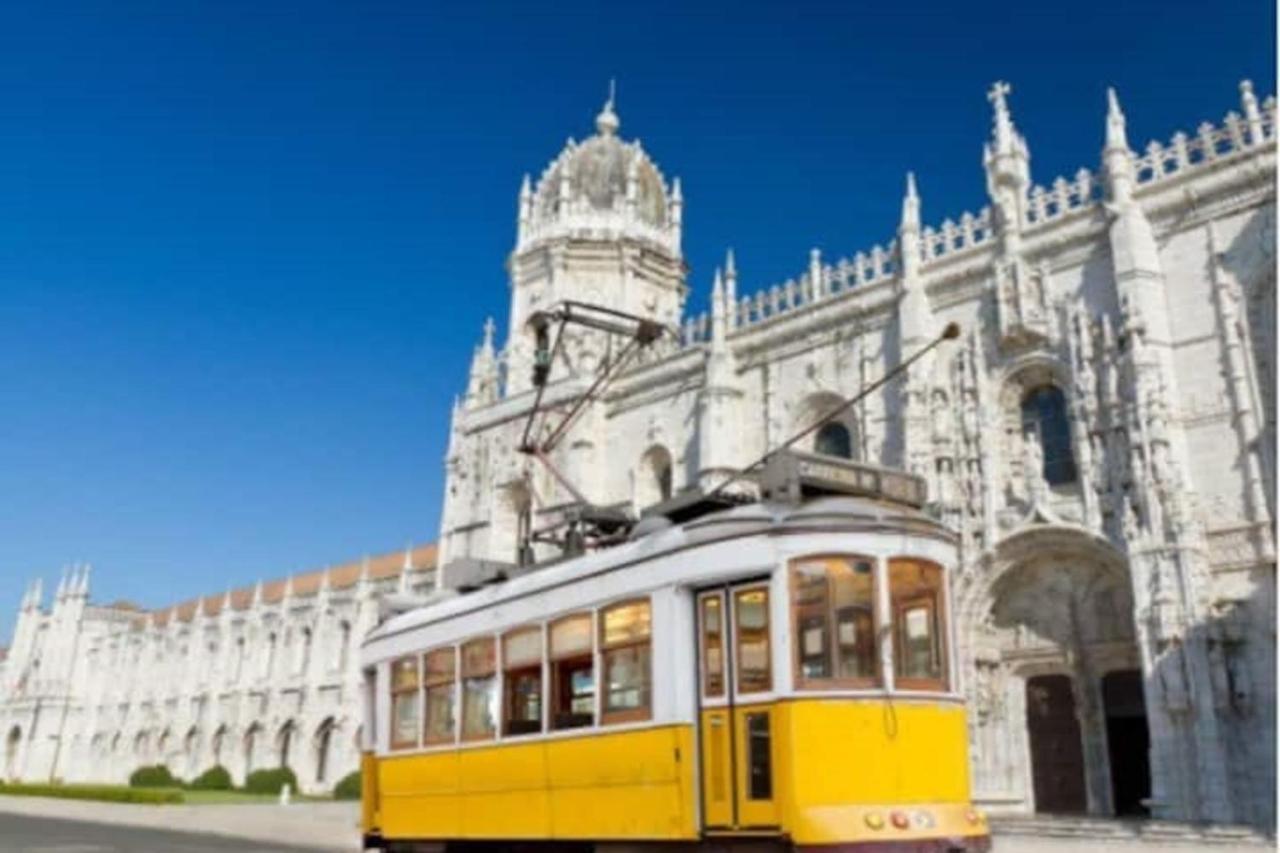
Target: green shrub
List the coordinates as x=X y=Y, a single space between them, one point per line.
x=105 y=793
x=216 y=778
x=348 y=787
x=271 y=781
x=155 y=776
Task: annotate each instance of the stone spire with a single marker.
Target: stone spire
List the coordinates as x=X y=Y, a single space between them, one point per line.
x=719 y=319
x=1008 y=166
x=731 y=287
x=1117 y=159
x=909 y=229
x=482 y=386
x=720 y=397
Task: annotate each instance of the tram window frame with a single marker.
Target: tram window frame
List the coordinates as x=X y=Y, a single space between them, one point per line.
x=740 y=669
x=563 y=664
x=400 y=692
x=934 y=598
x=608 y=651
x=480 y=674
x=825 y=615
x=513 y=674
x=440 y=685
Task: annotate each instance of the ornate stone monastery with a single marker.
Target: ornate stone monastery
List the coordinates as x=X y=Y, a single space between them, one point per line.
x=248 y=678
x=1101 y=436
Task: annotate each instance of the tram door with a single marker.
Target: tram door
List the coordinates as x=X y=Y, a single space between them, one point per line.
x=736 y=714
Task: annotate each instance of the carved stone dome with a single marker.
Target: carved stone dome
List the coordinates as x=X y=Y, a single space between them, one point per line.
x=603 y=185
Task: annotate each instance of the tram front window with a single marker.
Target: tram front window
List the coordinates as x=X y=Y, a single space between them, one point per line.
x=625 y=655
x=479 y=690
x=404 y=703
x=833 y=601
x=522 y=661
x=573 y=681
x=915 y=591
x=751 y=617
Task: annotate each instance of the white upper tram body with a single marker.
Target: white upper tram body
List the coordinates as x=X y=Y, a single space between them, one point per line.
x=668 y=566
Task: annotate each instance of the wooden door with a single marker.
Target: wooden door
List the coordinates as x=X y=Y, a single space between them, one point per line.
x=1057 y=757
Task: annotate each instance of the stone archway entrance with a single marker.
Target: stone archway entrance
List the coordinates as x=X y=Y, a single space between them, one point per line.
x=1054 y=726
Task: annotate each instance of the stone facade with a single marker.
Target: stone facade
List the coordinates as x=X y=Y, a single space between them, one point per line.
x=250 y=678
x=1101 y=436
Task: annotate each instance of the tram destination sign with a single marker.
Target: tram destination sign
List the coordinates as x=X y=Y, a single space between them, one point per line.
x=791 y=474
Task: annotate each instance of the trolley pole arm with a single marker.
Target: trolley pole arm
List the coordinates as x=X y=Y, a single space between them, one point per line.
x=950 y=332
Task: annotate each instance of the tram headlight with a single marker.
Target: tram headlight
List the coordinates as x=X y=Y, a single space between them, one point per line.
x=899 y=819
x=973 y=816
x=874 y=820
x=922 y=819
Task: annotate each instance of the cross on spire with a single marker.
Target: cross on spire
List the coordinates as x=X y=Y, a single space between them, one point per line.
x=996 y=95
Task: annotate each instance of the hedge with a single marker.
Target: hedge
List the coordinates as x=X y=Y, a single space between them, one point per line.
x=216 y=778
x=155 y=776
x=348 y=787
x=105 y=793
x=271 y=781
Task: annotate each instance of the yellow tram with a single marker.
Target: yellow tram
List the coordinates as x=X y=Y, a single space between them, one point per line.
x=772 y=675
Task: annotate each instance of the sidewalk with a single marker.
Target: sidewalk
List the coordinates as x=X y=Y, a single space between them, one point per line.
x=331 y=827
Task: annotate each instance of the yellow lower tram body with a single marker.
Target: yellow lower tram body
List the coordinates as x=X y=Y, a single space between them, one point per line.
x=827 y=774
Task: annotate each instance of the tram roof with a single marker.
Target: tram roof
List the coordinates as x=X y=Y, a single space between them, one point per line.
x=830 y=514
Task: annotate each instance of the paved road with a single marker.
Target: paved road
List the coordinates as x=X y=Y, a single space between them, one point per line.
x=23 y=834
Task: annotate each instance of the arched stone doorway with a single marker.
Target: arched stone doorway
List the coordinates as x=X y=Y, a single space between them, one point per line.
x=1046 y=627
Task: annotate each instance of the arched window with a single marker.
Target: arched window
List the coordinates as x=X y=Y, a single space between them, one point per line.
x=344 y=643
x=653 y=480
x=270 y=664
x=304 y=653
x=1044 y=414
x=250 y=747
x=285 y=742
x=216 y=747
x=833 y=439
x=11 y=752
x=189 y=750
x=324 y=741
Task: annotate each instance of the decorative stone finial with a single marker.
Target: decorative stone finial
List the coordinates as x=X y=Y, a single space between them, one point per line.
x=910 y=206
x=489 y=327
x=730 y=269
x=607 y=123
x=999 y=91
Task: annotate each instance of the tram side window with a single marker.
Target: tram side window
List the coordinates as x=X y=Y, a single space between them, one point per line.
x=573 y=673
x=833 y=612
x=404 y=703
x=919 y=626
x=522 y=677
x=625 y=637
x=479 y=690
x=440 y=679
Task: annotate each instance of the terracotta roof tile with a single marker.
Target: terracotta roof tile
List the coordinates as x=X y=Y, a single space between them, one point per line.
x=341 y=576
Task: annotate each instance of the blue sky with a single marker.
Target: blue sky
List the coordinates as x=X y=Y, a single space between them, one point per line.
x=246 y=249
